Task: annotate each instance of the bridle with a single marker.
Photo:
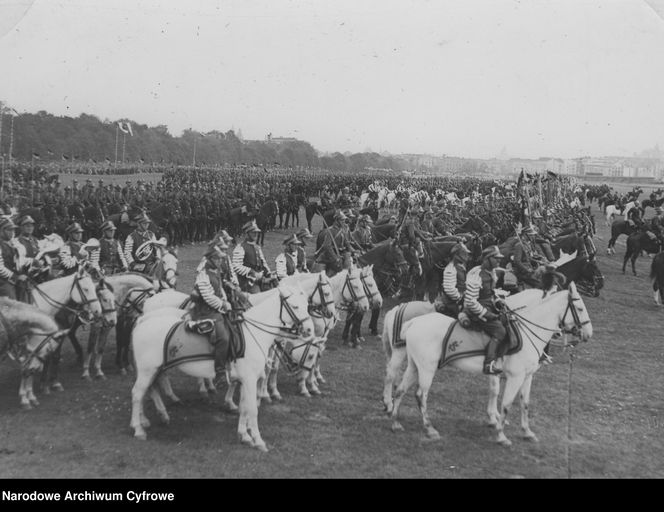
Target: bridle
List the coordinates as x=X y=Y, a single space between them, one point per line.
x=164 y=275
x=355 y=297
x=323 y=309
x=368 y=289
x=16 y=354
x=76 y=311
x=297 y=321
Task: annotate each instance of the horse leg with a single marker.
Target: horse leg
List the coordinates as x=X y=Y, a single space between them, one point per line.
x=512 y=387
x=355 y=327
x=101 y=345
x=165 y=385
x=426 y=373
x=74 y=340
x=492 y=409
x=23 y=393
x=656 y=294
x=627 y=256
x=249 y=406
x=52 y=383
x=228 y=397
x=409 y=378
x=92 y=344
x=373 y=322
x=634 y=257
x=525 y=402
x=159 y=404
x=139 y=421
x=271 y=382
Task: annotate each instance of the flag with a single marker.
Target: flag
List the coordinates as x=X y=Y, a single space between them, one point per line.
x=108 y=160
x=122 y=127
x=552 y=174
x=48 y=150
x=141 y=160
x=128 y=126
x=75 y=157
x=36 y=156
x=522 y=177
x=65 y=157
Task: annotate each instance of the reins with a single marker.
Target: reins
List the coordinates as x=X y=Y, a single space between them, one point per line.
x=76 y=311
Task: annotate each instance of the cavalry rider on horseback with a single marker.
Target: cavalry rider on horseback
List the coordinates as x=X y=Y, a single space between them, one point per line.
x=137 y=240
x=249 y=263
x=9 y=273
x=302 y=236
x=657 y=223
x=211 y=301
x=523 y=259
x=74 y=250
x=332 y=242
x=28 y=249
x=362 y=234
x=109 y=258
x=480 y=307
x=454 y=281
x=286 y=262
x=345 y=200
x=634 y=215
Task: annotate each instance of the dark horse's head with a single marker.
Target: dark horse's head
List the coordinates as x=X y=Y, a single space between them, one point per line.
x=387 y=255
x=590 y=280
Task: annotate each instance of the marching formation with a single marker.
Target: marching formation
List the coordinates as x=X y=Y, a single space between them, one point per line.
x=453 y=255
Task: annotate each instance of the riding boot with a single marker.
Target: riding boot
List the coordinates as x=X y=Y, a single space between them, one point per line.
x=490 y=358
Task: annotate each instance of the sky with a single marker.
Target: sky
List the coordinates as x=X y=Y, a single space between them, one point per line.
x=562 y=78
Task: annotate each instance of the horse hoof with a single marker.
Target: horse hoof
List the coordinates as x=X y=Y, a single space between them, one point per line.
x=505 y=442
x=262 y=447
x=34 y=402
x=305 y=394
x=100 y=376
x=277 y=398
x=397 y=427
x=141 y=436
x=26 y=407
x=57 y=387
x=531 y=437
x=316 y=392
x=86 y=378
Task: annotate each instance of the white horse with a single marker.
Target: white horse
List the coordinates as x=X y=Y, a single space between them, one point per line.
x=349 y=291
x=322 y=309
x=99 y=331
x=28 y=336
x=286 y=315
x=54 y=298
x=612 y=211
x=563 y=311
x=396 y=356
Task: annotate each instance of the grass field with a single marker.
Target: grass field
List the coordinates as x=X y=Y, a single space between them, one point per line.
x=600 y=415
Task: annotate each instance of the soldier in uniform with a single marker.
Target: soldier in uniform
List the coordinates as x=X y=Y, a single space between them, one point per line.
x=9 y=274
x=522 y=260
x=454 y=281
x=332 y=243
x=286 y=261
x=211 y=301
x=302 y=236
x=249 y=262
x=72 y=251
x=362 y=235
x=109 y=258
x=28 y=249
x=137 y=238
x=479 y=304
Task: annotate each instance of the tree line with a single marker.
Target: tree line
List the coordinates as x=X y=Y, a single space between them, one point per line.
x=86 y=138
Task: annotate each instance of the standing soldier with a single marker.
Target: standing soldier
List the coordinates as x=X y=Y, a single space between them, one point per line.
x=249 y=262
x=143 y=261
x=302 y=236
x=28 y=249
x=9 y=274
x=109 y=258
x=286 y=261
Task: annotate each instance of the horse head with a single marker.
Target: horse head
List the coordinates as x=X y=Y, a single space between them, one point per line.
x=575 y=319
x=371 y=287
x=106 y=296
x=84 y=293
x=294 y=311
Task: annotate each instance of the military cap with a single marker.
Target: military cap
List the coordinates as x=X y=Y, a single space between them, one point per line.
x=292 y=240
x=26 y=219
x=304 y=233
x=74 y=228
x=492 y=251
x=251 y=227
x=6 y=223
x=107 y=225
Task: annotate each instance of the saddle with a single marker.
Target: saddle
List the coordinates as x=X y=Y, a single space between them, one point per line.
x=467 y=340
x=189 y=341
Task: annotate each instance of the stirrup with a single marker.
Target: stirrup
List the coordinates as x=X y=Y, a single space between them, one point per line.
x=545 y=358
x=490 y=369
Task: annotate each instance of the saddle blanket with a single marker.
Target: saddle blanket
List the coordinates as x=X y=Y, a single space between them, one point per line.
x=405 y=312
x=184 y=345
x=460 y=342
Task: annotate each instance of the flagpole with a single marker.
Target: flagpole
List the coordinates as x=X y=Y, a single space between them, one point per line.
x=117 y=131
x=11 y=142
x=194 y=160
x=124 y=138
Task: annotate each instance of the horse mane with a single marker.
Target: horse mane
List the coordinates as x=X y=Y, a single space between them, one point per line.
x=27 y=315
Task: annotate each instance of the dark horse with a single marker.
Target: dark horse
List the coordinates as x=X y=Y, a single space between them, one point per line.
x=619 y=227
x=312 y=209
x=389 y=262
x=657 y=275
x=585 y=273
x=637 y=242
x=266 y=218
